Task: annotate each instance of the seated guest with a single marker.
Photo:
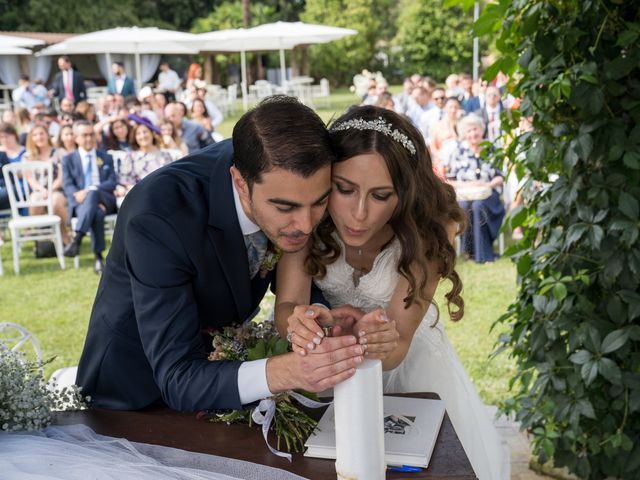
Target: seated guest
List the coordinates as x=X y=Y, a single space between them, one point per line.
x=89 y=180
x=117 y=137
x=10 y=144
x=199 y=114
x=66 y=106
x=385 y=100
x=4 y=193
x=444 y=133
x=65 y=143
x=192 y=133
x=27 y=95
x=40 y=149
x=159 y=105
x=86 y=111
x=478 y=185
x=145 y=156
x=170 y=138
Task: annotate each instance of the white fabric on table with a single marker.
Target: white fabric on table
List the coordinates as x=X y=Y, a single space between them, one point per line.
x=76 y=452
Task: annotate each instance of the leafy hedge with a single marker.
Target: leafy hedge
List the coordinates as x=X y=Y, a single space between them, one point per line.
x=575 y=330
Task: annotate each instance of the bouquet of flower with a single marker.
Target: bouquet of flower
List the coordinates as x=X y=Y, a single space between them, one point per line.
x=26 y=402
x=254 y=341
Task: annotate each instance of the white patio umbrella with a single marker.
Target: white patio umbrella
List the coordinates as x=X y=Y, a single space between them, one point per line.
x=270 y=36
x=131 y=40
x=14 y=41
x=9 y=50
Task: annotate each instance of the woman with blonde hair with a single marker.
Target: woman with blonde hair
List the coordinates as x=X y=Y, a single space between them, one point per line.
x=41 y=149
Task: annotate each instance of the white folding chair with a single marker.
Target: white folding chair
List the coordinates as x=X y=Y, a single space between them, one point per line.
x=17 y=338
x=31 y=227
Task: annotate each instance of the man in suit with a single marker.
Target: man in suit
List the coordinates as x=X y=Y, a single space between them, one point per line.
x=68 y=82
x=490 y=114
x=88 y=179
x=186 y=258
x=120 y=82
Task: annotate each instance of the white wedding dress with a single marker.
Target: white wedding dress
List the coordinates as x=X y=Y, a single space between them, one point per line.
x=431 y=364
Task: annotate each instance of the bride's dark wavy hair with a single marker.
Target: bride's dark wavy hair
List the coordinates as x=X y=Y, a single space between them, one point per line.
x=426 y=205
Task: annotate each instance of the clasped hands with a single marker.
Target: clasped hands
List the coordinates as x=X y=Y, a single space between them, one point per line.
x=374 y=331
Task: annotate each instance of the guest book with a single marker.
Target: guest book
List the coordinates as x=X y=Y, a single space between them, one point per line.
x=411 y=427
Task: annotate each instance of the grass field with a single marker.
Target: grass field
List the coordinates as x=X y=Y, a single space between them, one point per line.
x=55 y=305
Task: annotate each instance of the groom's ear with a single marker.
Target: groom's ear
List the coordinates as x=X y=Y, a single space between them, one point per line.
x=240 y=183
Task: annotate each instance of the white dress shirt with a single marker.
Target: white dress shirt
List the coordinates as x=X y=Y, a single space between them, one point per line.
x=119 y=83
x=252 y=375
x=95 y=174
x=168 y=81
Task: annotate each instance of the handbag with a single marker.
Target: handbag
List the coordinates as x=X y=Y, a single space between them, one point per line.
x=44 y=249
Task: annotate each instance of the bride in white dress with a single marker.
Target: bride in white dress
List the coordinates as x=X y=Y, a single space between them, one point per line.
x=382 y=252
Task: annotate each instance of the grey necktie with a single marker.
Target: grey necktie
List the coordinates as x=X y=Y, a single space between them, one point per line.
x=256 y=244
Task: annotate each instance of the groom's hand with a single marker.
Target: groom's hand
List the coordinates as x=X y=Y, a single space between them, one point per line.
x=332 y=362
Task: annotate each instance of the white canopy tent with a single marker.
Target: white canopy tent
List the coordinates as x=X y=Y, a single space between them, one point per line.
x=127 y=40
x=9 y=65
x=271 y=36
x=14 y=41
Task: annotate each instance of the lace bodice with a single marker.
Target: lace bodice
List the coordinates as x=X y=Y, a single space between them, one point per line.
x=374 y=289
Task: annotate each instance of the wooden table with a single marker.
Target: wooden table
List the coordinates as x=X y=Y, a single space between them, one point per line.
x=162 y=426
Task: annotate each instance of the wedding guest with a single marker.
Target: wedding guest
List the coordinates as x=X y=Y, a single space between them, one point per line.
x=186 y=257
x=168 y=81
x=9 y=143
x=41 y=149
x=5 y=204
x=194 y=74
x=89 y=179
x=444 y=135
x=117 y=137
x=86 y=111
x=199 y=114
x=385 y=100
x=145 y=157
x=66 y=106
x=65 y=143
x=68 y=83
x=170 y=138
x=120 y=82
x=479 y=185
x=160 y=104
x=192 y=133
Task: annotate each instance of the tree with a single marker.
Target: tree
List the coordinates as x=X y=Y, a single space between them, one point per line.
x=574 y=327
x=432 y=39
x=341 y=59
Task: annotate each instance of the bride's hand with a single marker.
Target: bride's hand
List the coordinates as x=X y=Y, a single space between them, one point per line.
x=304 y=331
x=377 y=334
x=344 y=318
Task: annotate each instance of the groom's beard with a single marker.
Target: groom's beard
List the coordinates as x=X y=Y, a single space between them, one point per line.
x=291 y=242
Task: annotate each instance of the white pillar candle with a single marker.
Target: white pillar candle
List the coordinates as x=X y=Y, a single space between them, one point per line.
x=360 y=425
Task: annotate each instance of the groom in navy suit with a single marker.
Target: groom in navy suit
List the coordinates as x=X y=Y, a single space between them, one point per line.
x=88 y=179
x=186 y=258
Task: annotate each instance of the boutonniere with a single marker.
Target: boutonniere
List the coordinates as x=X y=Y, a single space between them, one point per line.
x=270 y=259
x=99 y=162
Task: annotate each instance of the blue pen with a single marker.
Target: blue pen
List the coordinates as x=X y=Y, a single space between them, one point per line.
x=405 y=469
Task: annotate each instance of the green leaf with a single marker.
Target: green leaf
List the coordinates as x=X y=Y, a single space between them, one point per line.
x=581 y=357
x=633 y=300
x=628 y=205
x=575 y=232
x=627 y=38
x=609 y=370
x=584 y=146
x=589 y=371
x=559 y=291
x=632 y=160
x=585 y=408
x=614 y=340
x=524 y=264
x=596 y=101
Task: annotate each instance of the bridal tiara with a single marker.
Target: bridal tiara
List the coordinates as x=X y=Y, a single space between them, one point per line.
x=379 y=125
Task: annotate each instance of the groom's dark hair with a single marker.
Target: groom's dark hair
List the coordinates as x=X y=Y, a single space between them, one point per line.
x=280 y=132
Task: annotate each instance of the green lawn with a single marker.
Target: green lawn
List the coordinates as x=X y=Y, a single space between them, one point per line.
x=55 y=305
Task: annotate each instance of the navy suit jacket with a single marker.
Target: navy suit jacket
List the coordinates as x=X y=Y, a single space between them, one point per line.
x=176 y=268
x=128 y=88
x=73 y=176
x=78 y=89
